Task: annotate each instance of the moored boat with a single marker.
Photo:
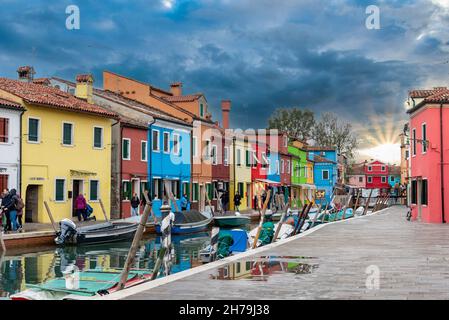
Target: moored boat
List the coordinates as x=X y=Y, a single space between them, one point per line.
x=189 y=222
x=235 y=220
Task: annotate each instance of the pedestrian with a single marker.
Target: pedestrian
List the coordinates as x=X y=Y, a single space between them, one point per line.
x=184 y=202
x=237 y=201
x=80 y=207
x=225 y=200
x=135 y=202
x=19 y=207
x=11 y=209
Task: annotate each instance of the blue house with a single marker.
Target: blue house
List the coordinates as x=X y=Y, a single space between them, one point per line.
x=169 y=165
x=325 y=170
x=394 y=175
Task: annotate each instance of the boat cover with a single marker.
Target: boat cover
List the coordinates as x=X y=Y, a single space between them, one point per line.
x=189 y=217
x=225 y=241
x=267 y=233
x=240 y=238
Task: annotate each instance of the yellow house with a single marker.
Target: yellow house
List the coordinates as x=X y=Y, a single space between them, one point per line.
x=66 y=148
x=240 y=172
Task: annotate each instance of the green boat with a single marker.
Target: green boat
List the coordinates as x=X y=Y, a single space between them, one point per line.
x=231 y=221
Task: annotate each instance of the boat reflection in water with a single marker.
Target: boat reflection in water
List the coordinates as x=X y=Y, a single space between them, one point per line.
x=39 y=267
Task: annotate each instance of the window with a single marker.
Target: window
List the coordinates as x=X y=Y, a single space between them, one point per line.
x=176 y=144
x=94 y=190
x=370 y=168
x=33 y=130
x=414 y=142
x=240 y=189
x=67 y=134
x=424 y=192
x=209 y=191
x=195 y=191
x=201 y=110
x=407 y=154
x=4 y=130
x=143 y=151
x=186 y=189
x=226 y=156
x=59 y=190
x=414 y=192
x=384 y=179
x=285 y=141
x=264 y=160
x=126 y=190
x=370 y=179
x=4 y=181
x=175 y=189
x=325 y=174
x=282 y=166
x=382 y=168
x=214 y=154
x=392 y=179
x=195 y=146
x=288 y=166
x=360 y=179
x=155 y=146
x=248 y=158
x=126 y=149
x=277 y=167
x=424 y=138
x=239 y=157
x=254 y=160
x=98 y=137
x=166 y=142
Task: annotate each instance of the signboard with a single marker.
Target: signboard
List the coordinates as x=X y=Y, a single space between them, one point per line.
x=320 y=194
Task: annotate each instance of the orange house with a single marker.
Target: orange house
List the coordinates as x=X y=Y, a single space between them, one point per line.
x=191 y=108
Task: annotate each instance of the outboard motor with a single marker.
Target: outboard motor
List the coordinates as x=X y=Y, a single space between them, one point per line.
x=67 y=231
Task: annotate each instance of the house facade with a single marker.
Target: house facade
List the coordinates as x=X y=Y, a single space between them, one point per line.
x=73 y=140
x=325 y=177
x=10 y=122
x=377 y=175
x=356 y=175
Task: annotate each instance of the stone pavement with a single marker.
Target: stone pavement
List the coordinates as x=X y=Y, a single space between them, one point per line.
x=412 y=259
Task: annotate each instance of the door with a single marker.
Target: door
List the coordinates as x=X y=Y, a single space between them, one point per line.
x=3 y=182
x=32 y=203
x=77 y=188
x=249 y=196
x=135 y=185
x=418 y=197
x=201 y=198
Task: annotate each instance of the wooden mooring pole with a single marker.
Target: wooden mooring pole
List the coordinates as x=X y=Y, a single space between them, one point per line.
x=104 y=210
x=367 y=203
x=135 y=245
x=262 y=218
x=51 y=216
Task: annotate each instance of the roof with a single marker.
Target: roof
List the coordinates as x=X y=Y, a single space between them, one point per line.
x=52 y=97
x=141 y=82
x=84 y=78
x=319 y=148
x=44 y=81
x=186 y=98
x=356 y=170
x=435 y=95
x=10 y=104
x=318 y=159
x=394 y=170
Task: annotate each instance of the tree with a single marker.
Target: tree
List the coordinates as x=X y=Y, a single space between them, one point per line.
x=297 y=122
x=331 y=131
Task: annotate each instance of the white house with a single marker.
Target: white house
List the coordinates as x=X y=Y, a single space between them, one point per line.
x=10 y=114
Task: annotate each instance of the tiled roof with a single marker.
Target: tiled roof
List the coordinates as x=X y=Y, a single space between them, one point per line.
x=146 y=84
x=435 y=95
x=10 y=104
x=84 y=78
x=186 y=98
x=44 y=81
x=318 y=159
x=318 y=148
x=356 y=170
x=52 y=97
x=394 y=170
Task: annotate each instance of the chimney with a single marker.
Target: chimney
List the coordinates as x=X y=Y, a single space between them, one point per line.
x=225 y=109
x=176 y=89
x=84 y=87
x=26 y=73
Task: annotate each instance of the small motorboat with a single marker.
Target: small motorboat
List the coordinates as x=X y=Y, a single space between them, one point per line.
x=189 y=222
x=229 y=242
x=232 y=221
x=286 y=231
x=88 y=283
x=70 y=234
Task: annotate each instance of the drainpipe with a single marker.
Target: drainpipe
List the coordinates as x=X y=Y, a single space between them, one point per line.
x=120 y=167
x=442 y=164
x=20 y=158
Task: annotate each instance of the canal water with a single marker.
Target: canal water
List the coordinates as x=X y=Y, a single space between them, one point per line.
x=18 y=270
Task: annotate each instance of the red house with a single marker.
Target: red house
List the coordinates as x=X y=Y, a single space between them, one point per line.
x=376 y=173
x=259 y=169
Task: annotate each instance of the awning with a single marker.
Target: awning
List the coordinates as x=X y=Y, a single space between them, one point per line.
x=305 y=186
x=270 y=182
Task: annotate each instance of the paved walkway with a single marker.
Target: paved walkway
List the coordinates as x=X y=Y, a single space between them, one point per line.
x=413 y=260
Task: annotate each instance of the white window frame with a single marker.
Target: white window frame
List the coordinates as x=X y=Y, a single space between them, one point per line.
x=382 y=168
x=238 y=157
x=158 y=141
x=64 y=191
x=98 y=190
x=72 y=134
x=414 y=142
x=129 y=151
x=194 y=146
x=282 y=165
x=177 y=138
x=39 y=126
x=285 y=139
x=166 y=138
x=102 y=137
x=9 y=130
x=207 y=143
x=328 y=174
x=214 y=154
x=370 y=168
x=288 y=167
x=369 y=179
x=226 y=156
x=146 y=151
x=423 y=144
x=277 y=167
x=383 y=179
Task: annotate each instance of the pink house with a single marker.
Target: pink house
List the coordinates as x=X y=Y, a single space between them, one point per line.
x=356 y=176
x=429 y=154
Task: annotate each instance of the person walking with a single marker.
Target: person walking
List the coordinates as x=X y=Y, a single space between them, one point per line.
x=3 y=211
x=184 y=202
x=225 y=200
x=135 y=202
x=80 y=207
x=237 y=201
x=19 y=206
x=11 y=210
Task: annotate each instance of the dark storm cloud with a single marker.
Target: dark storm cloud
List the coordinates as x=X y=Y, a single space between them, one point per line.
x=314 y=54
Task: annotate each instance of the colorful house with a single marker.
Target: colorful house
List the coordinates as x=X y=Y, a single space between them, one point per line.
x=259 y=169
x=377 y=175
x=72 y=138
x=429 y=139
x=394 y=177
x=10 y=118
x=240 y=171
x=356 y=175
x=302 y=174
x=325 y=177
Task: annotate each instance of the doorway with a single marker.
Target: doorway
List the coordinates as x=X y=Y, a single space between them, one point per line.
x=32 y=203
x=77 y=188
x=249 y=196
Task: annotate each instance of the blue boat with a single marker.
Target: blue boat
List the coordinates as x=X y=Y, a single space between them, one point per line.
x=189 y=222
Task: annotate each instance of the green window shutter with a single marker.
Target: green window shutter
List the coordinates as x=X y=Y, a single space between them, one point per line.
x=125 y=151
x=98 y=138
x=144 y=151
x=59 y=192
x=33 y=130
x=248 y=159
x=93 y=190
x=201 y=110
x=195 y=192
x=67 y=134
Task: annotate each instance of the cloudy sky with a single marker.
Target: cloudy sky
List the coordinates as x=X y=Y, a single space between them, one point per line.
x=261 y=54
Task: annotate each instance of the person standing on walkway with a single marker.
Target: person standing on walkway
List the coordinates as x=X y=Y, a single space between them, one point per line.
x=80 y=207
x=184 y=202
x=237 y=201
x=135 y=202
x=19 y=206
x=5 y=214
x=11 y=208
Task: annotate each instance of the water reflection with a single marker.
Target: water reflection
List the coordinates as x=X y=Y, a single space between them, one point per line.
x=34 y=268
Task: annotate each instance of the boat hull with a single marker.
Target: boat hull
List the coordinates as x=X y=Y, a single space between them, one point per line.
x=231 y=221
